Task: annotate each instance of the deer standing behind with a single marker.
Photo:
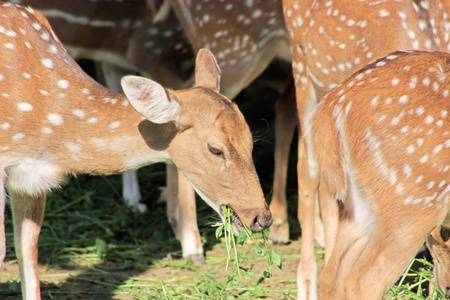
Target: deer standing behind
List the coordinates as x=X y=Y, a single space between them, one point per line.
x=382 y=143
x=330 y=40
x=56 y=121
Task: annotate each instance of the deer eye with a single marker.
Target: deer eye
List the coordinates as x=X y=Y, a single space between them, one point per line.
x=215 y=151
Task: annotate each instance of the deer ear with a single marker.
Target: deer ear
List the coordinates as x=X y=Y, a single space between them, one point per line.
x=207 y=72
x=150 y=99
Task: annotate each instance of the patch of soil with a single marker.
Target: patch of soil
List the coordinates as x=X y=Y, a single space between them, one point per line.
x=85 y=281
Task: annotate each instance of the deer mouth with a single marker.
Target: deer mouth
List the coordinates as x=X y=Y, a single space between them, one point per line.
x=235 y=221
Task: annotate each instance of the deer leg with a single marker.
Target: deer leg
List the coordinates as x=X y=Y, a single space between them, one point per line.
x=308 y=183
x=173 y=206
x=2 y=224
x=28 y=213
x=307 y=268
x=385 y=257
x=130 y=192
x=285 y=123
x=319 y=234
x=181 y=210
x=438 y=242
x=329 y=212
x=350 y=242
x=369 y=256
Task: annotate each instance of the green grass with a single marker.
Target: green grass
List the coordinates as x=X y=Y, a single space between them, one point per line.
x=88 y=229
x=416 y=283
x=94 y=247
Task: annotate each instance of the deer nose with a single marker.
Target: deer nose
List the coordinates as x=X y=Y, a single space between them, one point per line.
x=262 y=221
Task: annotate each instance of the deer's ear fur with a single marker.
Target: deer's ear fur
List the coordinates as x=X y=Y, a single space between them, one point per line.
x=150 y=99
x=207 y=72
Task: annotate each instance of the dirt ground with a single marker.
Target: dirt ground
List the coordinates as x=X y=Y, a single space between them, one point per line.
x=99 y=280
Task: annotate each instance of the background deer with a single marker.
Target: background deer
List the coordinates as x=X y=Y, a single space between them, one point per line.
x=382 y=142
x=330 y=40
x=57 y=121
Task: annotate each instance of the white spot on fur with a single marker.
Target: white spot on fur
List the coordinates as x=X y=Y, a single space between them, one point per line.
x=92 y=120
x=64 y=84
x=52 y=49
x=403 y=99
x=48 y=63
x=383 y=13
x=24 y=106
x=18 y=136
x=423 y=159
x=79 y=113
x=407 y=171
x=73 y=147
x=114 y=125
x=55 y=119
x=45 y=93
x=47 y=130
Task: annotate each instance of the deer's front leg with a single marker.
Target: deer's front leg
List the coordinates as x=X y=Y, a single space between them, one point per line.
x=285 y=123
x=307 y=268
x=131 y=192
x=308 y=182
x=28 y=213
x=181 y=210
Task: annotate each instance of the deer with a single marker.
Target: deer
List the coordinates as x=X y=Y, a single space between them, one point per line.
x=247 y=36
x=126 y=38
x=330 y=40
x=57 y=121
x=381 y=140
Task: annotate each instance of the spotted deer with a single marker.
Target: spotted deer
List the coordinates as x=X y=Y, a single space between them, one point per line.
x=382 y=143
x=246 y=36
x=128 y=37
x=56 y=121
x=330 y=40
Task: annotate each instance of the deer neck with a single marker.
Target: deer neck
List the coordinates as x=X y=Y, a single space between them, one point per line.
x=108 y=136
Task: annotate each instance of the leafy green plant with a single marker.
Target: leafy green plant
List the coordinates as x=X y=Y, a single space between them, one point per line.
x=262 y=248
x=415 y=282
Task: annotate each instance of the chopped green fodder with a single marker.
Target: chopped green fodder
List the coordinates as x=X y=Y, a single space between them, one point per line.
x=262 y=248
x=416 y=283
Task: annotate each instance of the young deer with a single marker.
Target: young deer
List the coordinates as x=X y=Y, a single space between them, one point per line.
x=55 y=121
x=330 y=40
x=382 y=143
x=246 y=36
